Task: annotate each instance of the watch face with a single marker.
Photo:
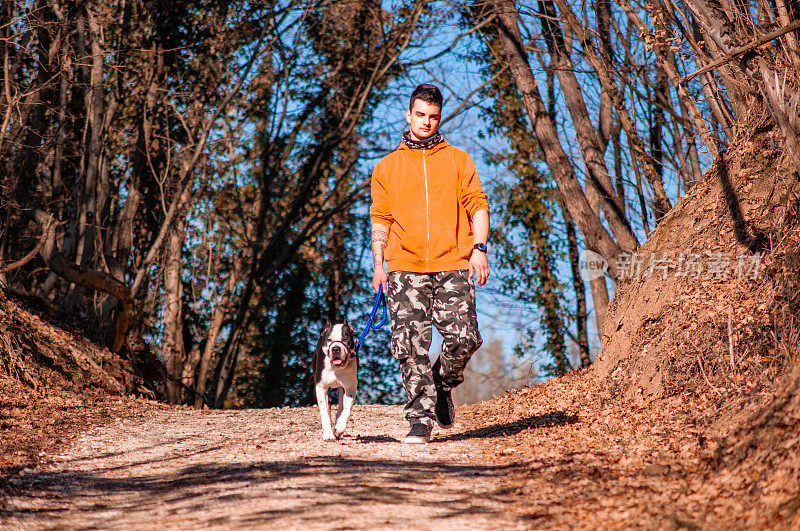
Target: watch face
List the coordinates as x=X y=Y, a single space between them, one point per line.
x=481 y=247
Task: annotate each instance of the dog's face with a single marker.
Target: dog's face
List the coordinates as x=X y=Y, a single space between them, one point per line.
x=338 y=343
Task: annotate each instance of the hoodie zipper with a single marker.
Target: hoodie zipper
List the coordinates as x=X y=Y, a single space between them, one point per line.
x=427 y=213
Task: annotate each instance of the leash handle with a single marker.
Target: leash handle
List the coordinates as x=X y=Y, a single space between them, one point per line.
x=379 y=300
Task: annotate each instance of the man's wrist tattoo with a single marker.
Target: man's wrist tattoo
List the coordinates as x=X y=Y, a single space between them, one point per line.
x=380 y=237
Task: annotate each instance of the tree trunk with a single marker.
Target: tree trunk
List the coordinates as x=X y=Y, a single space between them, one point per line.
x=606 y=119
x=89 y=38
x=599 y=290
x=38 y=101
x=97 y=280
x=577 y=285
x=597 y=175
x=290 y=316
x=221 y=311
x=553 y=323
x=618 y=172
x=595 y=235
x=697 y=118
x=336 y=263
x=657 y=123
x=172 y=351
x=758 y=73
x=604 y=72
x=785 y=18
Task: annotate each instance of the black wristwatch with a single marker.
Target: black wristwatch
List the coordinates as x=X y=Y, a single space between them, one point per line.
x=481 y=247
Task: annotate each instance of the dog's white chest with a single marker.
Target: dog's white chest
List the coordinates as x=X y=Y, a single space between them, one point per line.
x=344 y=377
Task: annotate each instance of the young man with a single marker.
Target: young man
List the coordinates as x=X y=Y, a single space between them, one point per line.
x=430 y=221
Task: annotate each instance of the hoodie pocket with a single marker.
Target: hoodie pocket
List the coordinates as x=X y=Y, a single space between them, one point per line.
x=443 y=241
x=413 y=241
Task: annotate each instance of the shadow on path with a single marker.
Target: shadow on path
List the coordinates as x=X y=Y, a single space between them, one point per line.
x=302 y=490
x=376 y=439
x=556 y=418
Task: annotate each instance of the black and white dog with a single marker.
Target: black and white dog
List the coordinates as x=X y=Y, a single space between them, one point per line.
x=335 y=365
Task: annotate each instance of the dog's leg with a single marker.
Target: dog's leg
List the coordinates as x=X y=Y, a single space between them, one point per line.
x=340 y=394
x=324 y=412
x=346 y=399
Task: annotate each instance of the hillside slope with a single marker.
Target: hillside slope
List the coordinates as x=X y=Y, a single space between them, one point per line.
x=723 y=337
x=716 y=294
x=54 y=381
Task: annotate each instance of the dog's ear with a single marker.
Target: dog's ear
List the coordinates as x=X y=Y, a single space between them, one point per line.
x=350 y=327
x=327 y=323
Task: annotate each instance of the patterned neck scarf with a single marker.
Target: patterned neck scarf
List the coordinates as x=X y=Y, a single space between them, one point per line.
x=422 y=144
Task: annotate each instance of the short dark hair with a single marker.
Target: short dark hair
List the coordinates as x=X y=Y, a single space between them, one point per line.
x=427 y=93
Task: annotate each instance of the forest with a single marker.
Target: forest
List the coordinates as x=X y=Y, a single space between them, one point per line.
x=187 y=182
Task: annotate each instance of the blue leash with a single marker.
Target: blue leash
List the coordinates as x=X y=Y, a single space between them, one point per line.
x=379 y=300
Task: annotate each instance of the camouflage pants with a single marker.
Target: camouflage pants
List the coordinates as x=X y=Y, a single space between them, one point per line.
x=445 y=300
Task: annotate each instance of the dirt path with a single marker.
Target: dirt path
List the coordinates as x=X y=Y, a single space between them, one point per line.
x=555 y=455
x=184 y=468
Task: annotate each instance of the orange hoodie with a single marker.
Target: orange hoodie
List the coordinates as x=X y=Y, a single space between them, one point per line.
x=427 y=198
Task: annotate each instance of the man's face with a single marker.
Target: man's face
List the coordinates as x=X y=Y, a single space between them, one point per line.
x=424 y=119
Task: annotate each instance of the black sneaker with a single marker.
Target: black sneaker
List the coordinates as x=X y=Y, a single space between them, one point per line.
x=419 y=434
x=445 y=412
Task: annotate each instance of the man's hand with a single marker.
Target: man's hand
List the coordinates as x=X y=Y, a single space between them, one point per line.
x=379 y=278
x=477 y=260
x=480 y=266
